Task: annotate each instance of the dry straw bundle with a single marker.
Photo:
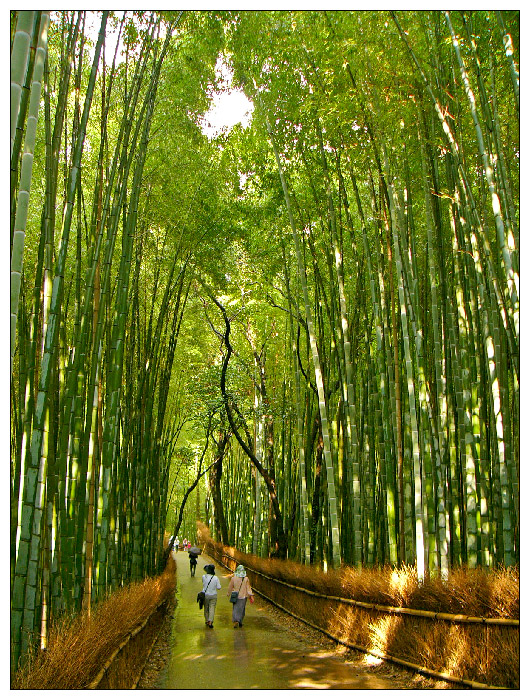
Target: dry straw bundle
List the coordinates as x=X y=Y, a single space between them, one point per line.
x=78 y=649
x=480 y=646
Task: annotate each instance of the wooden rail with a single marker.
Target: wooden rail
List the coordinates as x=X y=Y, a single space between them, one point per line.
x=387 y=657
x=155 y=640
x=387 y=609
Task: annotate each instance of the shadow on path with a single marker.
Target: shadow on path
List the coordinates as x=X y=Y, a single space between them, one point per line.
x=261 y=655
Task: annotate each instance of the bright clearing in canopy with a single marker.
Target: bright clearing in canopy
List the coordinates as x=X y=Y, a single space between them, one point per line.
x=229 y=106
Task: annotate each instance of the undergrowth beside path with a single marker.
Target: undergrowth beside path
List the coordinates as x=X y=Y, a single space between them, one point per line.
x=478 y=652
x=78 y=649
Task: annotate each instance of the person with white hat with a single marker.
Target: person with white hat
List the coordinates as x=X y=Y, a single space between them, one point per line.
x=238 y=591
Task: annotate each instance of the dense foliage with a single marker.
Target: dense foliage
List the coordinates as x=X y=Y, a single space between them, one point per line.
x=305 y=331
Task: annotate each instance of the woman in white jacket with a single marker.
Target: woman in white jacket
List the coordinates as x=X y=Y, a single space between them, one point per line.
x=240 y=583
x=210 y=586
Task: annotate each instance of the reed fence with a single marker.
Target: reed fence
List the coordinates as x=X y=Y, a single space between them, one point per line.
x=107 y=649
x=124 y=668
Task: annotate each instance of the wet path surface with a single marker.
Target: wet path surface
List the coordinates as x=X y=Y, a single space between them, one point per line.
x=261 y=655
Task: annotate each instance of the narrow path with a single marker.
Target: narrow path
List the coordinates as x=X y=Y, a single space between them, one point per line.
x=261 y=655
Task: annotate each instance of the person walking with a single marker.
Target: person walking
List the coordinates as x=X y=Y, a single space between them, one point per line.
x=239 y=583
x=210 y=586
x=193 y=562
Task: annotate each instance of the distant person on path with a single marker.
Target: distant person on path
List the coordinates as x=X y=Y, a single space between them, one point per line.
x=193 y=562
x=240 y=583
x=210 y=586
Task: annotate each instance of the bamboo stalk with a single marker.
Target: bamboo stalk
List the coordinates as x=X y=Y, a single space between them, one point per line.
x=504 y=244
x=418 y=485
x=353 y=442
x=317 y=367
x=509 y=51
x=20 y=53
x=24 y=188
x=24 y=586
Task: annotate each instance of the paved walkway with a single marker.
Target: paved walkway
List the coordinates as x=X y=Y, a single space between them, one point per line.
x=261 y=655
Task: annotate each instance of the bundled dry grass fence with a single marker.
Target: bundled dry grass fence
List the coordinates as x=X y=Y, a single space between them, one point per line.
x=107 y=650
x=461 y=630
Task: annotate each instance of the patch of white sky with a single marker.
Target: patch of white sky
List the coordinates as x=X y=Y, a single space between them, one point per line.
x=230 y=105
x=112 y=33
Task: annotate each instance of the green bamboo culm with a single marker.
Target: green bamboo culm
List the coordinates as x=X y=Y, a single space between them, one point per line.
x=24 y=187
x=29 y=534
x=509 y=51
x=506 y=245
x=352 y=436
x=302 y=486
x=418 y=485
x=16 y=149
x=332 y=499
x=19 y=63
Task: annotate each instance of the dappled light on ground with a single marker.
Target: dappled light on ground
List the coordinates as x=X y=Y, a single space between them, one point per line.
x=369 y=660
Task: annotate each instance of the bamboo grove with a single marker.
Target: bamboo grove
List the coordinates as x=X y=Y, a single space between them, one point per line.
x=312 y=322
x=93 y=426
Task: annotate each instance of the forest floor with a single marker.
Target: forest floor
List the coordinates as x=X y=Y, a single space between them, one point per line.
x=288 y=653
